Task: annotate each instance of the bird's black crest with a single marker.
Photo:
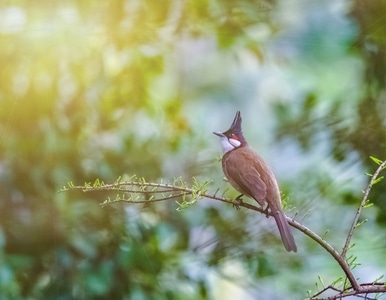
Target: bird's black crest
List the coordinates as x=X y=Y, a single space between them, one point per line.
x=236 y=128
x=236 y=125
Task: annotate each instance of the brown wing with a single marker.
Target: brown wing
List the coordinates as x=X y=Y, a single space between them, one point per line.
x=242 y=170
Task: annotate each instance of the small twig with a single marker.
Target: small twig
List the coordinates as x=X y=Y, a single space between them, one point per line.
x=330 y=287
x=359 y=210
x=147 y=200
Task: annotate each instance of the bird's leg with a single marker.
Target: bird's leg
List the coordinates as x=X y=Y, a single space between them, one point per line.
x=238 y=201
x=266 y=210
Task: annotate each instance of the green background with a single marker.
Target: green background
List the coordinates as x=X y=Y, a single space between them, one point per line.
x=102 y=89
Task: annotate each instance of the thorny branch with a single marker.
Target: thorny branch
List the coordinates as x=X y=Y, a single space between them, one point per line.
x=140 y=191
x=373 y=180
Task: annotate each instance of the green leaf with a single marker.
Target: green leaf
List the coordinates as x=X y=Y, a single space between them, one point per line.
x=325 y=234
x=375 y=181
x=361 y=222
x=337 y=281
x=351 y=246
x=321 y=281
x=118 y=180
x=104 y=203
x=96 y=183
x=376 y=160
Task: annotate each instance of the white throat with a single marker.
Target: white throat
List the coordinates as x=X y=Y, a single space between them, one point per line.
x=229 y=144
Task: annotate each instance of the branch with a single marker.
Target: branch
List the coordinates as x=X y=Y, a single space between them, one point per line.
x=374 y=179
x=179 y=189
x=140 y=191
x=364 y=288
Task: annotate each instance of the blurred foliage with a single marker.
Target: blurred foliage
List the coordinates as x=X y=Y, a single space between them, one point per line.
x=363 y=131
x=108 y=88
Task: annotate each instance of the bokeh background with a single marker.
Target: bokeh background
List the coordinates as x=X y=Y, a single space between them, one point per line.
x=102 y=89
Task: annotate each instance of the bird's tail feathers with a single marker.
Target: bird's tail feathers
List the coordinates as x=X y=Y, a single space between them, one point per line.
x=285 y=231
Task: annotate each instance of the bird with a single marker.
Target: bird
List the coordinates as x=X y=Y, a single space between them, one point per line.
x=248 y=173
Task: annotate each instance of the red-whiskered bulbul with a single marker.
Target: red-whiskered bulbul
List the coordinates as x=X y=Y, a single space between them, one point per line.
x=250 y=175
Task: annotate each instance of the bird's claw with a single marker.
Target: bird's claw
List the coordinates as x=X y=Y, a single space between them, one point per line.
x=238 y=201
x=266 y=211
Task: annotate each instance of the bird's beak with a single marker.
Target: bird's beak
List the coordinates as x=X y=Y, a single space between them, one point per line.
x=220 y=134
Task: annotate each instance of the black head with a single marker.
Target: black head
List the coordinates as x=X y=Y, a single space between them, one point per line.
x=235 y=131
x=234 y=135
